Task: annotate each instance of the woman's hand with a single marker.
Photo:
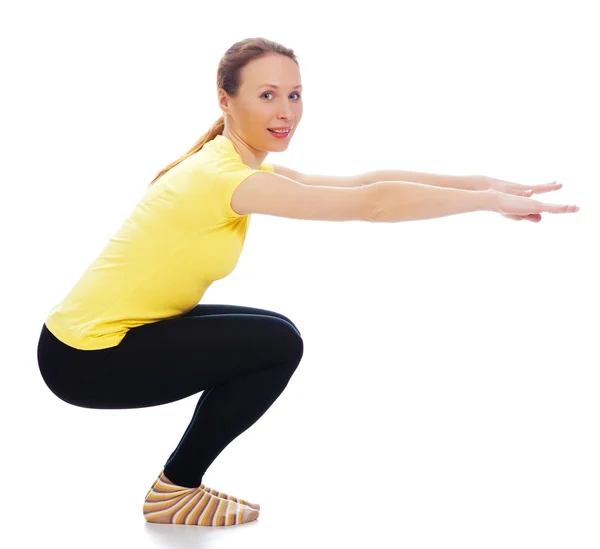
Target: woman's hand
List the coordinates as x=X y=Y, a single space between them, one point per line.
x=517 y=208
x=517 y=189
x=508 y=187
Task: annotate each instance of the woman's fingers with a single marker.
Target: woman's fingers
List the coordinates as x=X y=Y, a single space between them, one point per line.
x=538 y=189
x=522 y=206
x=559 y=208
x=535 y=218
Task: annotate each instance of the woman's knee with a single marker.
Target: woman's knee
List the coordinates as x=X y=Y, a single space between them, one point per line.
x=298 y=345
x=283 y=317
x=293 y=342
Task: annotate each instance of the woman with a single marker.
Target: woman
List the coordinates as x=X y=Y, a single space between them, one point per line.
x=131 y=332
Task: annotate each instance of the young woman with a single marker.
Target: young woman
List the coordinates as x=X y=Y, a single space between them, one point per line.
x=131 y=332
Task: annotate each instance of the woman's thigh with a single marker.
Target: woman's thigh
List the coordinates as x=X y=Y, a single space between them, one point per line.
x=216 y=309
x=175 y=358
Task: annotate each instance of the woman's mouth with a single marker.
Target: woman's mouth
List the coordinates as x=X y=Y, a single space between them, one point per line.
x=280 y=134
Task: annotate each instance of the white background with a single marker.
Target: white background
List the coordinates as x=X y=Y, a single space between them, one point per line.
x=448 y=392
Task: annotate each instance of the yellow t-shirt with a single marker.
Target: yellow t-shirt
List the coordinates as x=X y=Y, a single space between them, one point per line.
x=180 y=237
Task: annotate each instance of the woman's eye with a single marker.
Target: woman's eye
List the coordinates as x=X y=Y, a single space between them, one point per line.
x=269 y=93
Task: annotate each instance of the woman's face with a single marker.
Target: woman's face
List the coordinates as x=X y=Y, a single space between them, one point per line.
x=270 y=96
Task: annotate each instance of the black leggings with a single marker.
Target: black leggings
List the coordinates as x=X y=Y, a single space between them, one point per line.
x=241 y=357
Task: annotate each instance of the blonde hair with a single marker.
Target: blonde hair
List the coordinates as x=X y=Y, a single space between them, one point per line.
x=228 y=78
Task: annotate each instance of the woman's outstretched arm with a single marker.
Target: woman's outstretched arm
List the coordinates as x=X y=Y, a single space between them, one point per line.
x=467 y=183
x=463 y=182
